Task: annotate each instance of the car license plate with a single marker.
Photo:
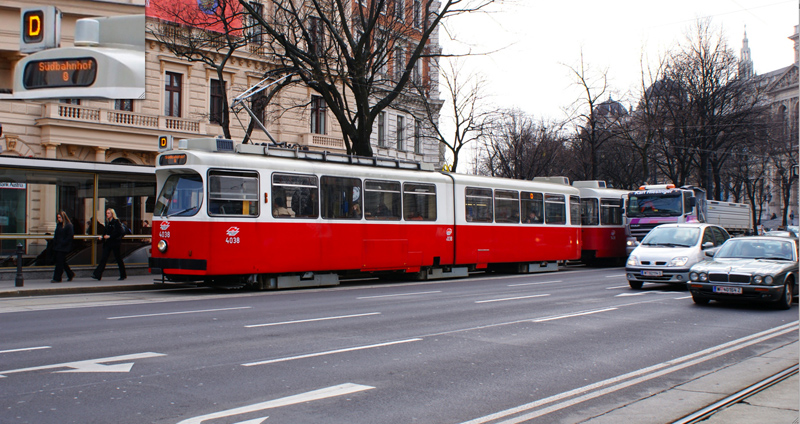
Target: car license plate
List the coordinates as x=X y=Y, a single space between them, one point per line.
x=728 y=290
x=651 y=273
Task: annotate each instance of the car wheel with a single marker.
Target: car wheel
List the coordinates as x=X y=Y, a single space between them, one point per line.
x=785 y=302
x=700 y=300
x=636 y=285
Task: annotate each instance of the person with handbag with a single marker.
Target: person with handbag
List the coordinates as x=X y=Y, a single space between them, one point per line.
x=62 y=245
x=112 y=241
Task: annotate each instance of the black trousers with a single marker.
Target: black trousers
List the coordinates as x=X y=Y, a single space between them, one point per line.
x=61 y=266
x=107 y=249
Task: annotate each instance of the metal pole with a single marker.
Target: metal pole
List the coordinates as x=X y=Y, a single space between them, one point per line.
x=19 y=282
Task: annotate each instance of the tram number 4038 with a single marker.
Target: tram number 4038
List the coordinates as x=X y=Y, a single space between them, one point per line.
x=232 y=240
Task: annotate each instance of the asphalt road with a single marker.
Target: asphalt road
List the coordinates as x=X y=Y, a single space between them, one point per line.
x=556 y=347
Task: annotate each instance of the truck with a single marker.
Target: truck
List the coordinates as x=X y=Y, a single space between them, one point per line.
x=653 y=205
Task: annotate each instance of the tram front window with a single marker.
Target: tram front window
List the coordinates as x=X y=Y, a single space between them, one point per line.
x=181 y=195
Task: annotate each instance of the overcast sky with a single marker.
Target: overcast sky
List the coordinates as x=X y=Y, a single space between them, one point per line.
x=538 y=38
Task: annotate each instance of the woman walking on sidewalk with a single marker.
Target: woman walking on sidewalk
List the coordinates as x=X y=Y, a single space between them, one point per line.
x=62 y=245
x=112 y=240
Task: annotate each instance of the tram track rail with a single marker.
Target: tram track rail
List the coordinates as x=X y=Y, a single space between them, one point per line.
x=737 y=397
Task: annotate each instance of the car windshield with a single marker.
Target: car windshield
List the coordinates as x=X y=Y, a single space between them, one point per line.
x=672 y=236
x=757 y=249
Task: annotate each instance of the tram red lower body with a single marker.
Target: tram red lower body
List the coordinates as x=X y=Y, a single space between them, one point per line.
x=273 y=248
x=604 y=242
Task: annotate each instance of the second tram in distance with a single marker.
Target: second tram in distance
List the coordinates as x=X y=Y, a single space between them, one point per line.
x=273 y=218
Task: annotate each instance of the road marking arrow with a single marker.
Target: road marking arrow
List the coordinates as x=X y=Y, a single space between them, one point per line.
x=90 y=365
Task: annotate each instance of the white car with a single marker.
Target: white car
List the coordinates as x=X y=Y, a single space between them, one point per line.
x=669 y=250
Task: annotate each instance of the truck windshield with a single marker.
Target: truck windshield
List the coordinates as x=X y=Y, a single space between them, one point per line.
x=657 y=204
x=181 y=195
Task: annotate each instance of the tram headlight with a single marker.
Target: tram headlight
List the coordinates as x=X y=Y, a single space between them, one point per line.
x=162 y=246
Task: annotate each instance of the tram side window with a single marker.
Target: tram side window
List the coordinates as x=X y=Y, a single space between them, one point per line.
x=382 y=200
x=611 y=212
x=181 y=195
x=233 y=193
x=574 y=210
x=419 y=202
x=506 y=206
x=589 y=212
x=341 y=198
x=555 y=206
x=532 y=207
x=478 y=203
x=298 y=193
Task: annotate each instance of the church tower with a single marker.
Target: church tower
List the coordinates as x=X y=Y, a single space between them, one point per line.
x=745 y=61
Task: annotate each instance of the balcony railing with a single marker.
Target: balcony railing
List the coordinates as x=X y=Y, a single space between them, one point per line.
x=77 y=113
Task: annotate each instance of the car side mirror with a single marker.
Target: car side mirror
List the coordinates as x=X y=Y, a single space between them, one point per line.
x=708 y=245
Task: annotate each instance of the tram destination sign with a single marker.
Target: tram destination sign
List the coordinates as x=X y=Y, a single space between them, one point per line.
x=73 y=72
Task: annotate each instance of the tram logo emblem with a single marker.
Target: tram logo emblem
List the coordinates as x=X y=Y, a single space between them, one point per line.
x=232 y=231
x=164 y=225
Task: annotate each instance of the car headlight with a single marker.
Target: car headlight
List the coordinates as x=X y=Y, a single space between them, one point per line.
x=162 y=246
x=679 y=261
x=694 y=276
x=703 y=276
x=633 y=261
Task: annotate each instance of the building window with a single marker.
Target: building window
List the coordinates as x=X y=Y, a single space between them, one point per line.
x=400 y=131
x=399 y=63
x=255 y=32
x=124 y=105
x=417 y=14
x=172 y=94
x=318 y=110
x=70 y=101
x=216 y=102
x=400 y=10
x=382 y=129
x=417 y=136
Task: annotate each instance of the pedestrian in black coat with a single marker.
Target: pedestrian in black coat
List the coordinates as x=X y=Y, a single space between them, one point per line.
x=62 y=245
x=112 y=241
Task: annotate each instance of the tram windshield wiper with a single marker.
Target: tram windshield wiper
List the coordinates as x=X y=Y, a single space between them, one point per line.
x=182 y=212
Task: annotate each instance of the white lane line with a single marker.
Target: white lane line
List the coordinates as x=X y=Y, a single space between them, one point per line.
x=683 y=297
x=577 y=314
x=535 y=284
x=181 y=312
x=311 y=320
x=627 y=286
x=330 y=352
x=615 y=276
x=613 y=384
x=511 y=298
x=328 y=392
x=398 y=295
x=24 y=349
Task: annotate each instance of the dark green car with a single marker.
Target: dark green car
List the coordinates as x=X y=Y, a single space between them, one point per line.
x=759 y=268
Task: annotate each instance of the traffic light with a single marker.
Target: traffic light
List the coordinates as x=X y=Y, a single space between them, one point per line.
x=41 y=28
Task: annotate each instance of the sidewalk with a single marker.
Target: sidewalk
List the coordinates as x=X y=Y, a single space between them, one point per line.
x=38 y=284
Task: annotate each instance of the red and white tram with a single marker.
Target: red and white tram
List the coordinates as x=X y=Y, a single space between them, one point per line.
x=602 y=224
x=274 y=218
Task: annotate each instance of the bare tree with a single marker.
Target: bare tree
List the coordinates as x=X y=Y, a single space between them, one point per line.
x=592 y=129
x=467 y=120
x=357 y=55
x=516 y=146
x=208 y=35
